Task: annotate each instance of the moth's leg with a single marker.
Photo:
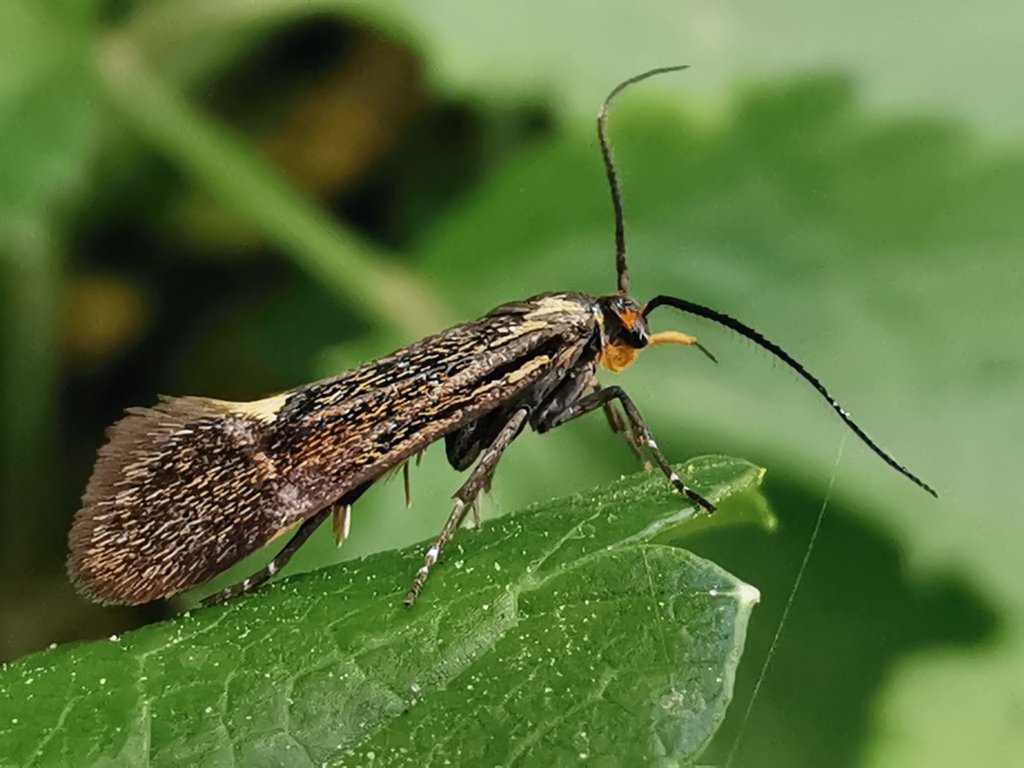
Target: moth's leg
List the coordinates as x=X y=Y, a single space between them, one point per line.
x=341 y=522
x=617 y=425
x=263 y=575
x=405 y=479
x=405 y=482
x=305 y=530
x=474 y=509
x=466 y=497
x=605 y=396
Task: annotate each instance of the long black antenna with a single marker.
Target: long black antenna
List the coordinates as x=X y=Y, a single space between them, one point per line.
x=754 y=336
x=609 y=167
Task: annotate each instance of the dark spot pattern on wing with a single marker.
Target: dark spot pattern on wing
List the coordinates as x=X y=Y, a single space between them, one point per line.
x=371 y=418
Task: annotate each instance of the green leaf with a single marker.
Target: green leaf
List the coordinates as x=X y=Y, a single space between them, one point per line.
x=569 y=629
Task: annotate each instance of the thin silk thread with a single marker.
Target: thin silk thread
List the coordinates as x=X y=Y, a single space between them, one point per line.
x=789 y=604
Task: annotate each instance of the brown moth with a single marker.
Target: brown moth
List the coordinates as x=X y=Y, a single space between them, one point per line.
x=185 y=489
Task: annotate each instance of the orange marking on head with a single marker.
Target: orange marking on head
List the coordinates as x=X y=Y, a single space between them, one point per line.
x=629 y=318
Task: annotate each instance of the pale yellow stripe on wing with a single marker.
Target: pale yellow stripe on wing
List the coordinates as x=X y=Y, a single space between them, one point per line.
x=527 y=368
x=264 y=410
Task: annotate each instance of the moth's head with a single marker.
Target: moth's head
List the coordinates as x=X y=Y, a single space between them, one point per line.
x=625 y=330
x=624 y=322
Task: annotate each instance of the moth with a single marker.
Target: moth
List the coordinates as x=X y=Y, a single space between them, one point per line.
x=183 y=490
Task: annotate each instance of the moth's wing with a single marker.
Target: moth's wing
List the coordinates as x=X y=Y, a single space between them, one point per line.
x=431 y=389
x=464 y=444
x=180 y=492
x=185 y=489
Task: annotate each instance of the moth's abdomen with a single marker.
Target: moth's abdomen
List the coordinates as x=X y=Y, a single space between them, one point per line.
x=180 y=492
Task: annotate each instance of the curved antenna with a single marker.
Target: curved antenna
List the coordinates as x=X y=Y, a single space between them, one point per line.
x=609 y=168
x=754 y=336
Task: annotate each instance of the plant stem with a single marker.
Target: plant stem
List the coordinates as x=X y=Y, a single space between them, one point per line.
x=244 y=183
x=28 y=388
x=213 y=32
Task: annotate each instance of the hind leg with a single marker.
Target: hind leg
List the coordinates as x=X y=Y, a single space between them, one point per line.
x=264 y=574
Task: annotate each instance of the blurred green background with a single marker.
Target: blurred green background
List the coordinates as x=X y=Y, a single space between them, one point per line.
x=234 y=198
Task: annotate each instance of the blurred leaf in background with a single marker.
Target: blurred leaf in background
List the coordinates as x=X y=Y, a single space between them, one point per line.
x=47 y=122
x=848 y=179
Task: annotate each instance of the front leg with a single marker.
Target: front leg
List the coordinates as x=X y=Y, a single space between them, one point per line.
x=603 y=397
x=617 y=425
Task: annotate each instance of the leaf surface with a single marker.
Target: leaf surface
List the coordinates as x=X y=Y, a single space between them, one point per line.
x=534 y=637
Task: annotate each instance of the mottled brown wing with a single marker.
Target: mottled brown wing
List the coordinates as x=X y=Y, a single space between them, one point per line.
x=185 y=489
